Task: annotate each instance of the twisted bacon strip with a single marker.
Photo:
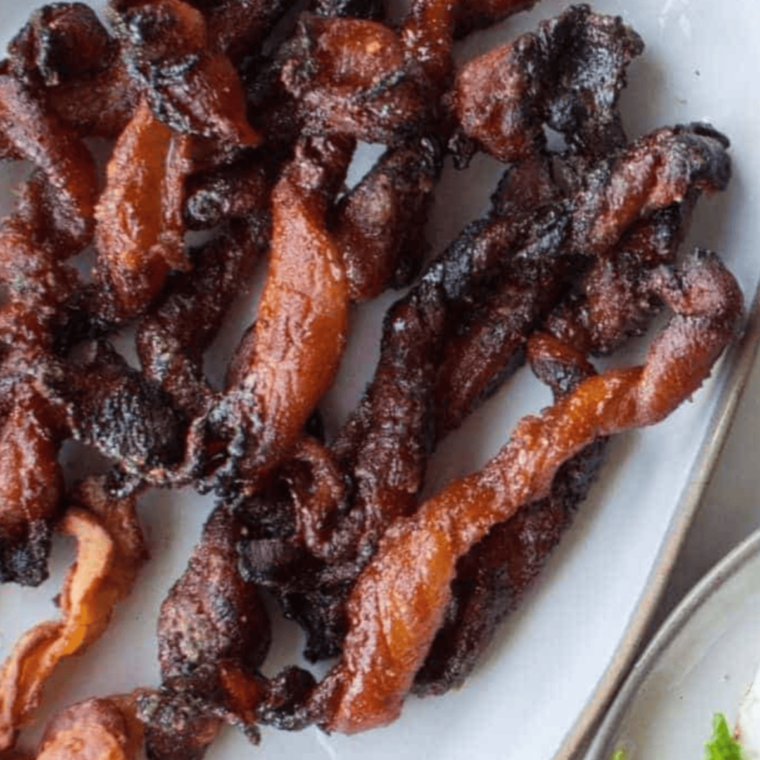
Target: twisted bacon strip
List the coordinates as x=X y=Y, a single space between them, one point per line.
x=289 y=358
x=140 y=241
x=110 y=553
x=400 y=599
x=59 y=154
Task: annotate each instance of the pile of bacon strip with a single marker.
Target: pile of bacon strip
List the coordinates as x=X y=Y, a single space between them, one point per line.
x=240 y=118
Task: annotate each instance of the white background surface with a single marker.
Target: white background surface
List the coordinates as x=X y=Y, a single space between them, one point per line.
x=700 y=64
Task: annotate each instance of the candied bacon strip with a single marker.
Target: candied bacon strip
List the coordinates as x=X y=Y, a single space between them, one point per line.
x=96 y=729
x=415 y=331
x=31 y=483
x=213 y=635
x=211 y=615
x=174 y=334
x=60 y=41
x=492 y=578
x=667 y=166
x=110 y=554
x=380 y=224
x=399 y=602
x=289 y=358
x=140 y=230
x=350 y=77
x=60 y=155
x=191 y=87
x=68 y=57
x=355 y=76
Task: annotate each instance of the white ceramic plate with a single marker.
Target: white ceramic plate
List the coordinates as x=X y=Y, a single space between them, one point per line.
x=702 y=661
x=554 y=664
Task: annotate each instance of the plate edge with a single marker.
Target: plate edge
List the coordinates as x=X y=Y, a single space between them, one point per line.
x=738 y=363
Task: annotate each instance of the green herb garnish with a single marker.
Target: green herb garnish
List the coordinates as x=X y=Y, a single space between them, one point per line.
x=722 y=745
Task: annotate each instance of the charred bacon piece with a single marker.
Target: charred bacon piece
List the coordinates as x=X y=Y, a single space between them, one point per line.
x=617 y=302
x=213 y=634
x=31 y=482
x=670 y=165
x=567 y=76
x=60 y=42
x=380 y=224
x=58 y=153
x=175 y=333
x=191 y=87
x=399 y=602
x=351 y=77
x=129 y=419
x=67 y=58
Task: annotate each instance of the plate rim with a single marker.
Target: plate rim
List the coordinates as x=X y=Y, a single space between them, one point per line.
x=607 y=705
